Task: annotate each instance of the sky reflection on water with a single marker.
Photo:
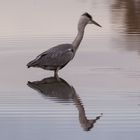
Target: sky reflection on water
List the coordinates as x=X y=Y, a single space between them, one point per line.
x=105 y=71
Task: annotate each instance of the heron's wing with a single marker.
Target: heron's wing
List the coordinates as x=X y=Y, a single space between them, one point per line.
x=56 y=56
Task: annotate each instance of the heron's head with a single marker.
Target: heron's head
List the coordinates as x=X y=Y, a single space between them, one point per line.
x=86 y=18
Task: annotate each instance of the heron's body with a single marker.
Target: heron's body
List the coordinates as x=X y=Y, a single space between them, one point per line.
x=57 y=57
x=54 y=58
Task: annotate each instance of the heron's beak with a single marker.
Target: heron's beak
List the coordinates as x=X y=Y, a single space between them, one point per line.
x=95 y=23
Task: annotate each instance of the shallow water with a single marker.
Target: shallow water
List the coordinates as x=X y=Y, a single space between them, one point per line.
x=98 y=95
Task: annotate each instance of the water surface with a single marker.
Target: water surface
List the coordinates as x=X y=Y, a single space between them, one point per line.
x=98 y=94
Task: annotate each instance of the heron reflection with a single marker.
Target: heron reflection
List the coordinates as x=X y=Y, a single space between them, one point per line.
x=60 y=89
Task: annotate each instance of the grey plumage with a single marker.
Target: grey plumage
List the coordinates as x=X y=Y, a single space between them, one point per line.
x=57 y=57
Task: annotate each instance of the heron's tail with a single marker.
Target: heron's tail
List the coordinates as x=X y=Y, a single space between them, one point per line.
x=31 y=64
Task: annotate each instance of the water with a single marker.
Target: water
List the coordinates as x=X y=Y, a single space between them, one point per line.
x=98 y=96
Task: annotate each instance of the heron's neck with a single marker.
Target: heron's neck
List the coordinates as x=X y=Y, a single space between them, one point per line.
x=78 y=38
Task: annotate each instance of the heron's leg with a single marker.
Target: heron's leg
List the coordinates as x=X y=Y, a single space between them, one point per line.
x=56 y=74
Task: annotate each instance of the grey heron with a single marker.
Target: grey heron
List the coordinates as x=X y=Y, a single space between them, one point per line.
x=57 y=57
